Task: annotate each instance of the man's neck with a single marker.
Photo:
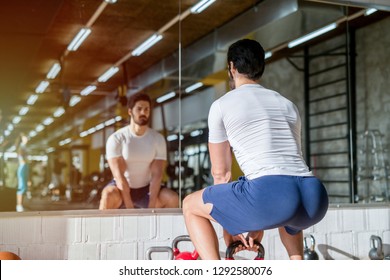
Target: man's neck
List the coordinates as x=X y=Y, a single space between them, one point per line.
x=138 y=130
x=243 y=81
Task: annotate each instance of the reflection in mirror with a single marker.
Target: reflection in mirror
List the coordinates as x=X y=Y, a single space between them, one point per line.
x=72 y=111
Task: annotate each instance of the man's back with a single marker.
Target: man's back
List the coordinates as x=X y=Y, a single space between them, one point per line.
x=263 y=129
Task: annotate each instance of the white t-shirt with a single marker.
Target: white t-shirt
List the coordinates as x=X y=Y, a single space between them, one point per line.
x=138 y=152
x=263 y=128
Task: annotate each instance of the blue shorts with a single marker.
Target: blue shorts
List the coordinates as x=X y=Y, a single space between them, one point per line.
x=267 y=202
x=139 y=197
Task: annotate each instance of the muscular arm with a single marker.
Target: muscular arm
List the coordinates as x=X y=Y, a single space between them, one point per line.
x=156 y=168
x=118 y=168
x=221 y=162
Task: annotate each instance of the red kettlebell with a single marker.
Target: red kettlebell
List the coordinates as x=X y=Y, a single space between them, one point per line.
x=230 y=250
x=189 y=256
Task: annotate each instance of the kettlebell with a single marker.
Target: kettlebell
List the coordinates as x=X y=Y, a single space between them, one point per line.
x=159 y=249
x=183 y=255
x=309 y=253
x=376 y=252
x=230 y=250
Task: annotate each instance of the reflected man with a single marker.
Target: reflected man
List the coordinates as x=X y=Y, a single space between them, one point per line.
x=137 y=156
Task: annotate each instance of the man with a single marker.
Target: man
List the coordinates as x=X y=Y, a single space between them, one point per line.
x=278 y=190
x=136 y=155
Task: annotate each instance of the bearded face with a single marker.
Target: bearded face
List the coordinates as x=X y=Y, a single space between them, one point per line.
x=140 y=113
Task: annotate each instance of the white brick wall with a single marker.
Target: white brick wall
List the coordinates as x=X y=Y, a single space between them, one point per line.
x=126 y=235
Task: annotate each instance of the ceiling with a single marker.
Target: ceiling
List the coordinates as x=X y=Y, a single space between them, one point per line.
x=35 y=34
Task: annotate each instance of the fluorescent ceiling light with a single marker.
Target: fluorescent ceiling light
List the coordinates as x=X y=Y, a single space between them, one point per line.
x=147 y=44
x=48 y=121
x=54 y=70
x=370 y=11
x=91 y=130
x=111 y=1
x=16 y=120
x=118 y=118
x=65 y=141
x=267 y=55
x=42 y=87
x=110 y=122
x=195 y=133
x=32 y=99
x=74 y=100
x=23 y=111
x=100 y=126
x=7 y=133
x=39 y=128
x=50 y=150
x=83 y=134
x=59 y=112
x=10 y=127
x=312 y=35
x=32 y=133
x=79 y=39
x=202 y=5
x=193 y=87
x=108 y=74
x=165 y=97
x=88 y=90
x=172 y=137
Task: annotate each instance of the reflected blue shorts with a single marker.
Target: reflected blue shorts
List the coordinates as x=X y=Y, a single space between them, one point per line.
x=267 y=202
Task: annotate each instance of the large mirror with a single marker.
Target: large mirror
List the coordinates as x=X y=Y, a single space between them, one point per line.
x=338 y=80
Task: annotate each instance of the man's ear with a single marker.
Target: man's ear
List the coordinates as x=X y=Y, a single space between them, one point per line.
x=129 y=111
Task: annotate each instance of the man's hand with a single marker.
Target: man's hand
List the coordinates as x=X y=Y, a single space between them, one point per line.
x=248 y=241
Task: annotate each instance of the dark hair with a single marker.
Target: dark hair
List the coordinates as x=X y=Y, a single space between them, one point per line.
x=138 y=97
x=247 y=57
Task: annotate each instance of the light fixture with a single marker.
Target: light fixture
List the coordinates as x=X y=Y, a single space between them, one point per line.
x=23 y=111
x=59 y=112
x=10 y=127
x=370 y=11
x=16 y=120
x=65 y=141
x=83 y=134
x=42 y=86
x=32 y=133
x=172 y=137
x=48 y=121
x=32 y=99
x=118 y=118
x=147 y=44
x=110 y=1
x=201 y=6
x=312 y=35
x=193 y=87
x=196 y=133
x=99 y=126
x=267 y=55
x=54 y=70
x=165 y=97
x=39 y=128
x=109 y=122
x=108 y=74
x=88 y=90
x=79 y=39
x=50 y=150
x=74 y=100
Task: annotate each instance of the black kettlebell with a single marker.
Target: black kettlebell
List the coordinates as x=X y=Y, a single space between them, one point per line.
x=309 y=253
x=230 y=250
x=376 y=252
